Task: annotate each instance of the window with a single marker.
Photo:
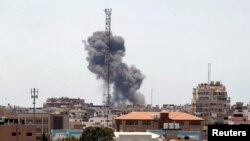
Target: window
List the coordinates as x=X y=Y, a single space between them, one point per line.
x=45 y=121
x=13 y=133
x=45 y=130
x=181 y=122
x=29 y=121
x=22 y=121
x=38 y=129
x=194 y=123
x=38 y=121
x=146 y=122
x=131 y=122
x=28 y=134
x=57 y=122
x=128 y=123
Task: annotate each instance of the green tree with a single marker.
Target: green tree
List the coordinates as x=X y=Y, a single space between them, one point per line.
x=97 y=134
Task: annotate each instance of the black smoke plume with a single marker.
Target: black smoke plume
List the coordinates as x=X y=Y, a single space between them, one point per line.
x=126 y=81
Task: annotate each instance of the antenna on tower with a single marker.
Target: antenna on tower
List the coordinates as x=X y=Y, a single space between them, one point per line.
x=151 y=97
x=209 y=73
x=106 y=95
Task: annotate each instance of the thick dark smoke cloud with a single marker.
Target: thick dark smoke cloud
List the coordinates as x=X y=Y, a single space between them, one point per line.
x=126 y=81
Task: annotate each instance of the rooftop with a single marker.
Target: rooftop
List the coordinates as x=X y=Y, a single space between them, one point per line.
x=150 y=115
x=117 y=134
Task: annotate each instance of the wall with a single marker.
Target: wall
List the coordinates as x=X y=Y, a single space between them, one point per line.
x=9 y=133
x=42 y=123
x=134 y=138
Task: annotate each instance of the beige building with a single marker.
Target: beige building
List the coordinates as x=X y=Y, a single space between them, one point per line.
x=16 y=132
x=44 y=122
x=5 y=110
x=210 y=101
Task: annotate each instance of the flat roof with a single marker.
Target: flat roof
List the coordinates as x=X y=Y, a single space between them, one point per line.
x=117 y=134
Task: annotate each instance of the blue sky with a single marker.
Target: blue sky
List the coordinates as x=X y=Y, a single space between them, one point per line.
x=171 y=42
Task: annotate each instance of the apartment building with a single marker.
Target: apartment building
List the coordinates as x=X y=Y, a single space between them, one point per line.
x=211 y=102
x=64 y=102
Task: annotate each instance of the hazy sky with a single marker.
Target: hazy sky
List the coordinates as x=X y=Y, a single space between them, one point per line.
x=171 y=42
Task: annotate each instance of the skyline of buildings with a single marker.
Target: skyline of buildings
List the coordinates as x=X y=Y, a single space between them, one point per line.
x=62 y=117
x=203 y=92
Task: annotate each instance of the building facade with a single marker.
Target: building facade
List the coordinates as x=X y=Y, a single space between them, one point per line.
x=211 y=102
x=240 y=114
x=44 y=122
x=64 y=102
x=143 y=121
x=15 y=132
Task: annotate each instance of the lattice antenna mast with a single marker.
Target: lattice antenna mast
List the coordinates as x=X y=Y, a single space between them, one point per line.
x=107 y=95
x=34 y=96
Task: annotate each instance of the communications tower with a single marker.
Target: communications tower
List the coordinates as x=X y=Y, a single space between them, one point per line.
x=106 y=94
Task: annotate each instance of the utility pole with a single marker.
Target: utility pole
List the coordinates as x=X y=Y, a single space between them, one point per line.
x=151 y=98
x=34 y=95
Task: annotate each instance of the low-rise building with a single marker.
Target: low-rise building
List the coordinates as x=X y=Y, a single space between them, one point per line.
x=143 y=121
x=240 y=114
x=44 y=122
x=101 y=121
x=15 y=132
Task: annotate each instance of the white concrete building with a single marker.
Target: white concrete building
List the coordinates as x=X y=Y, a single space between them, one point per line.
x=136 y=136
